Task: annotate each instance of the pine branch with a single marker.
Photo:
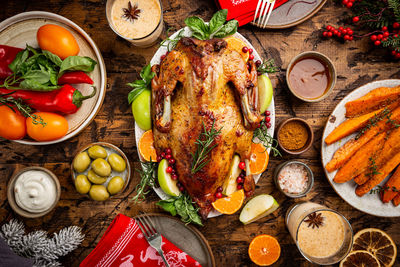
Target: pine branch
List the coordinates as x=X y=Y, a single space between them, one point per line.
x=395 y=6
x=393 y=42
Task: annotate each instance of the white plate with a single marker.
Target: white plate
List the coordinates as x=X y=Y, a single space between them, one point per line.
x=156 y=60
x=21 y=29
x=369 y=203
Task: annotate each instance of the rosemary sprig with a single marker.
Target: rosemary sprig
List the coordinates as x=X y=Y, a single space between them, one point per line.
x=267 y=140
x=26 y=110
x=169 y=42
x=204 y=146
x=373 y=121
x=268 y=66
x=373 y=168
x=147 y=179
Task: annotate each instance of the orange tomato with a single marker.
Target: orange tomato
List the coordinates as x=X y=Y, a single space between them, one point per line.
x=12 y=124
x=55 y=128
x=57 y=40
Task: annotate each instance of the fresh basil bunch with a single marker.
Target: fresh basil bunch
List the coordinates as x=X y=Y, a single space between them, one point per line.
x=140 y=85
x=39 y=71
x=216 y=28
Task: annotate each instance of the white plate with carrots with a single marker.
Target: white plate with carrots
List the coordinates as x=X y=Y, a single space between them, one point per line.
x=364 y=162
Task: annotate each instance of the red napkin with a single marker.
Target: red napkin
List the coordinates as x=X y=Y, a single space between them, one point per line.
x=243 y=10
x=124 y=245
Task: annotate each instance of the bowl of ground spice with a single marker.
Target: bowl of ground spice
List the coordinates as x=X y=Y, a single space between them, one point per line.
x=295 y=136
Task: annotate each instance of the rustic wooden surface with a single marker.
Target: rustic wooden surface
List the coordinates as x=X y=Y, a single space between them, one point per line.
x=357 y=63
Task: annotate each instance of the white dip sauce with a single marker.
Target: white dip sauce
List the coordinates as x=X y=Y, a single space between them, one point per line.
x=35 y=191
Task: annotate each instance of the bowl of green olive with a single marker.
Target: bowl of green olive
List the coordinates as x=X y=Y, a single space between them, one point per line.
x=100 y=171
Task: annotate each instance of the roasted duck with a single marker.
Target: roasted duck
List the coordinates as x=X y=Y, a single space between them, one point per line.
x=205 y=82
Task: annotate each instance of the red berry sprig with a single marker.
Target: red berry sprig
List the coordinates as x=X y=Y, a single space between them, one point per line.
x=379 y=38
x=348 y=3
x=342 y=33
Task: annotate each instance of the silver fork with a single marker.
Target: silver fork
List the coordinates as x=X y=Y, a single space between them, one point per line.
x=150 y=233
x=264 y=13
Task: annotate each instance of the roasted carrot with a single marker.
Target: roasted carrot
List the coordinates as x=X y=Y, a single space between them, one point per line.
x=361 y=178
x=376 y=179
x=359 y=162
x=375 y=99
x=344 y=153
x=396 y=200
x=391 y=187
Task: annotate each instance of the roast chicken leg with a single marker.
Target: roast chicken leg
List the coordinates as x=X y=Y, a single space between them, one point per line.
x=204 y=82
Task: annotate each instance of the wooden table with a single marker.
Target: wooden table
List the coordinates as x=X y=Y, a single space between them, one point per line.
x=357 y=63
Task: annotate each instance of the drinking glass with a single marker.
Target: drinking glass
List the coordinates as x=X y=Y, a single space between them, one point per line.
x=322 y=235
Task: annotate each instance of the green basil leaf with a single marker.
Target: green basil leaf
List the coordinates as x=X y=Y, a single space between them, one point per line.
x=33 y=85
x=228 y=29
x=39 y=76
x=146 y=71
x=198 y=27
x=134 y=94
x=199 y=36
x=217 y=20
x=19 y=59
x=71 y=63
x=52 y=57
x=168 y=206
x=137 y=84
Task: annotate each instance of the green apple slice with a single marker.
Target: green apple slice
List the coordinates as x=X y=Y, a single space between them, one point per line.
x=257 y=208
x=164 y=179
x=230 y=184
x=265 y=92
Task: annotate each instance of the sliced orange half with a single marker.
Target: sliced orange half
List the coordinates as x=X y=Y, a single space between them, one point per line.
x=237 y=45
x=146 y=146
x=264 y=250
x=258 y=159
x=230 y=204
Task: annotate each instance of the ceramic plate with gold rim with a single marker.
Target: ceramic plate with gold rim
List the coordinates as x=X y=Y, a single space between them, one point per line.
x=21 y=29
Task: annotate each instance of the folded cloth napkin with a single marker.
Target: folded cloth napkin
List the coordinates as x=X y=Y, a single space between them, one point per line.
x=124 y=245
x=243 y=10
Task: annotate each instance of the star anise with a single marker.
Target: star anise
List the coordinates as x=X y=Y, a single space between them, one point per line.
x=314 y=220
x=132 y=12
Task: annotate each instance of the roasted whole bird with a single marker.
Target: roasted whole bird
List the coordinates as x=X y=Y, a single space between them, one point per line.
x=205 y=82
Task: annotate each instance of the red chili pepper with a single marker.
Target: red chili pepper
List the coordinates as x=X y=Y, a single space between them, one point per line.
x=75 y=77
x=66 y=100
x=7 y=55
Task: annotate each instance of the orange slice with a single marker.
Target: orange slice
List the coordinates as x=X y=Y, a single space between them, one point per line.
x=258 y=159
x=264 y=250
x=237 y=45
x=146 y=146
x=230 y=204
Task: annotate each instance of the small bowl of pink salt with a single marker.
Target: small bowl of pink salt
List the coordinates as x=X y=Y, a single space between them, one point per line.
x=294 y=178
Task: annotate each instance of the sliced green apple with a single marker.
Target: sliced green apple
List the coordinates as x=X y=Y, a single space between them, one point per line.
x=230 y=184
x=164 y=179
x=265 y=92
x=257 y=208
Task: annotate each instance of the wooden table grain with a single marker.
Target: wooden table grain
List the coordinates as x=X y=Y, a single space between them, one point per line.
x=357 y=63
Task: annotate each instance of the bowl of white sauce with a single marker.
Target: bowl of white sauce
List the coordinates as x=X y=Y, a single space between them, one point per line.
x=33 y=192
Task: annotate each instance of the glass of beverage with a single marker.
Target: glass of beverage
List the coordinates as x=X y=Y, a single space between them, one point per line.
x=138 y=21
x=322 y=235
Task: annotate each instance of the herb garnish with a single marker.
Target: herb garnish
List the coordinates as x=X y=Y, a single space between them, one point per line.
x=26 y=111
x=314 y=220
x=140 y=85
x=268 y=66
x=169 y=42
x=183 y=206
x=380 y=189
x=205 y=143
x=267 y=140
x=215 y=28
x=373 y=168
x=147 y=179
x=132 y=12
x=373 y=121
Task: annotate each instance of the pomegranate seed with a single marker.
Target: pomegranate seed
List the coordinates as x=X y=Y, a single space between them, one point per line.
x=380 y=36
x=330 y=34
x=163 y=155
x=258 y=63
x=267 y=113
x=182 y=189
x=168 y=156
x=168 y=151
x=386 y=34
x=259 y=73
x=349 y=5
x=239 y=186
x=245 y=49
x=239 y=180
x=218 y=195
x=377 y=42
x=159 y=158
x=162 y=57
x=396 y=25
x=168 y=169
x=171 y=161
x=178 y=184
x=174 y=177
x=268 y=125
x=329 y=27
x=356 y=19
x=173 y=171
x=242 y=165
x=242 y=175
x=374 y=38
x=219 y=189
x=250 y=51
x=251 y=57
x=268 y=119
x=384 y=28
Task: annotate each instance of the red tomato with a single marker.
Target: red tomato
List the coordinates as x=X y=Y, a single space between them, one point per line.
x=55 y=128
x=12 y=124
x=57 y=40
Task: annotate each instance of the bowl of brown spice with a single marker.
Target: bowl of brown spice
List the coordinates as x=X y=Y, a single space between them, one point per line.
x=295 y=136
